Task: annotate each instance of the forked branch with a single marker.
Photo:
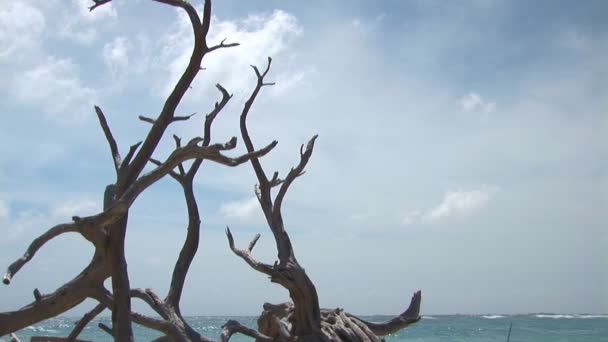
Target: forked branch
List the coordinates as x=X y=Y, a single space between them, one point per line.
x=245 y=254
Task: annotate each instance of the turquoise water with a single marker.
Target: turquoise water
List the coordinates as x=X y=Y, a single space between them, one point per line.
x=453 y=328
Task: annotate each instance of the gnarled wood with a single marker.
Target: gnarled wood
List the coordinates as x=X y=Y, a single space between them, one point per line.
x=301 y=320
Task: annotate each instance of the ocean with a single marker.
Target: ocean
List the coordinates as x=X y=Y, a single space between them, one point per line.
x=453 y=328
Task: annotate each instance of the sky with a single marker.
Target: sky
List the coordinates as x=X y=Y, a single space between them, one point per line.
x=462 y=149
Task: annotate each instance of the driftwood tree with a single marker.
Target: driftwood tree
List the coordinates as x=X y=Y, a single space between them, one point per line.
x=301 y=319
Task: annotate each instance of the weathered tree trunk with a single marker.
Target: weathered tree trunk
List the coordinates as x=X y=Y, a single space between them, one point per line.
x=121 y=311
x=301 y=320
x=107 y=230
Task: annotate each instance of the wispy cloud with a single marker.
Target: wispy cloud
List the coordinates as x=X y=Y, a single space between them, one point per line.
x=473 y=102
x=115 y=54
x=82 y=27
x=247 y=209
x=21 y=26
x=259 y=35
x=460 y=203
x=55 y=87
x=455 y=204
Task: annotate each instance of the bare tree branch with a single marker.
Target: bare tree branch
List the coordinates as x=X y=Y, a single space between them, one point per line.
x=293 y=174
x=216 y=110
x=109 y=137
x=409 y=316
x=190 y=246
x=265 y=199
x=52 y=304
x=178 y=144
x=221 y=45
x=151 y=299
x=147 y=119
x=231 y=327
x=246 y=254
x=37 y=295
x=130 y=154
x=184 y=117
x=166 y=116
x=86 y=319
x=191 y=242
x=106 y=328
x=98 y=3
x=104 y=297
x=172 y=173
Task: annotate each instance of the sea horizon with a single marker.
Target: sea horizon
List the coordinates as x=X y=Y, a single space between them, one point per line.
x=538 y=327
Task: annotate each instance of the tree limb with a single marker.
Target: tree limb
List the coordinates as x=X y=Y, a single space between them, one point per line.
x=231 y=327
x=166 y=116
x=246 y=255
x=264 y=198
x=109 y=137
x=150 y=298
x=221 y=45
x=409 y=316
x=98 y=3
x=86 y=319
x=293 y=174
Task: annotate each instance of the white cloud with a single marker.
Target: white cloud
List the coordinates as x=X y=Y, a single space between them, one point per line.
x=473 y=102
x=287 y=81
x=455 y=204
x=115 y=54
x=81 y=25
x=55 y=86
x=260 y=36
x=21 y=25
x=247 y=209
x=460 y=203
x=4 y=211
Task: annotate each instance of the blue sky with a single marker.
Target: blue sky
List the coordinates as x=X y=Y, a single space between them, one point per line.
x=462 y=148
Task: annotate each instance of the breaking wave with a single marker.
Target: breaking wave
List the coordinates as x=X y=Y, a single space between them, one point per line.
x=492 y=316
x=568 y=316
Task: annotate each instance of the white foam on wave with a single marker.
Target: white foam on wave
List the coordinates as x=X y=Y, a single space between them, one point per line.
x=41 y=329
x=593 y=316
x=559 y=316
x=428 y=317
x=569 y=316
x=492 y=316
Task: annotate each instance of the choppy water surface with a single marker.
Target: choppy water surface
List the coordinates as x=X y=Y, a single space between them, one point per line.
x=453 y=328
